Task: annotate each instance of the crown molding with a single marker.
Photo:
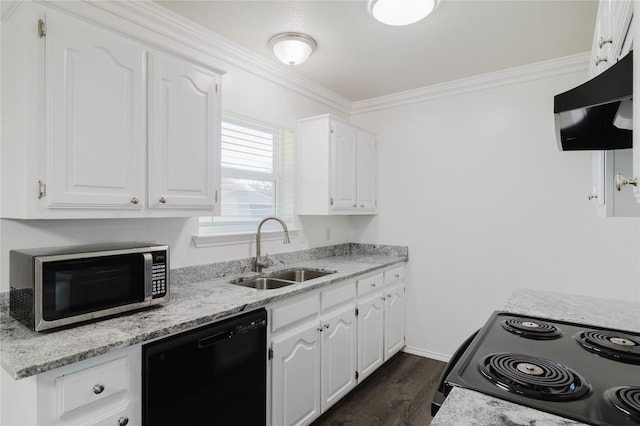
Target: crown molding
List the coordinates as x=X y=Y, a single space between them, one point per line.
x=165 y=30
x=530 y=72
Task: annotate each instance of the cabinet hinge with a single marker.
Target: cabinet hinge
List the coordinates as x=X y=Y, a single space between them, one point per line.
x=270 y=354
x=357 y=312
x=357 y=375
x=42 y=28
x=42 y=189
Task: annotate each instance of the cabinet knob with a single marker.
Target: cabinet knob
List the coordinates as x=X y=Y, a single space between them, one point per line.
x=326 y=326
x=331 y=200
x=98 y=389
x=162 y=200
x=383 y=299
x=600 y=60
x=604 y=41
x=123 y=421
x=354 y=206
x=372 y=284
x=397 y=275
x=592 y=196
x=134 y=200
x=319 y=329
x=622 y=181
x=362 y=206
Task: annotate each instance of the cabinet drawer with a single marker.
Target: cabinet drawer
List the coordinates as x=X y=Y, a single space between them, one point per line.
x=336 y=296
x=119 y=417
x=86 y=387
x=393 y=275
x=371 y=283
x=282 y=316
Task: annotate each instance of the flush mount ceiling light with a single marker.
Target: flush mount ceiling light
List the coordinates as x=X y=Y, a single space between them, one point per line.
x=401 y=12
x=292 y=48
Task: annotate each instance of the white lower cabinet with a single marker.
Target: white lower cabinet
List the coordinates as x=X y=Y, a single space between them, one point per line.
x=323 y=344
x=296 y=376
x=105 y=390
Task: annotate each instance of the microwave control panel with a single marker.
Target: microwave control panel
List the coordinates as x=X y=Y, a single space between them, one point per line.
x=160 y=274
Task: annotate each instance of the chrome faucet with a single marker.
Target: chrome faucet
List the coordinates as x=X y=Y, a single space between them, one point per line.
x=259 y=264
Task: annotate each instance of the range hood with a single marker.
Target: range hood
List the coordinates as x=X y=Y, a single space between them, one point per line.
x=598 y=114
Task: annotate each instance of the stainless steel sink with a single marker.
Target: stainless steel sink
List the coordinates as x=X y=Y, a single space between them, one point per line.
x=281 y=279
x=263 y=283
x=300 y=275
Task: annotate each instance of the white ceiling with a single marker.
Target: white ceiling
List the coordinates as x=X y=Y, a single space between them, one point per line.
x=359 y=58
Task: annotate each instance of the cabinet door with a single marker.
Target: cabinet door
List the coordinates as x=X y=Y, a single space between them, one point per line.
x=184 y=140
x=95 y=133
x=635 y=29
x=339 y=360
x=393 y=320
x=366 y=172
x=342 y=168
x=370 y=334
x=295 y=379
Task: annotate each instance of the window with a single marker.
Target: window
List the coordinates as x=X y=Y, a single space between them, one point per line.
x=257 y=176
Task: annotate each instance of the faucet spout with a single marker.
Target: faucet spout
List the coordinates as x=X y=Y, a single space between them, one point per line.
x=259 y=263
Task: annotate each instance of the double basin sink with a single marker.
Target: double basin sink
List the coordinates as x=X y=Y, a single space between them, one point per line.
x=282 y=279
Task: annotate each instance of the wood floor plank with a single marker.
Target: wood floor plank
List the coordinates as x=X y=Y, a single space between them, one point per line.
x=398 y=394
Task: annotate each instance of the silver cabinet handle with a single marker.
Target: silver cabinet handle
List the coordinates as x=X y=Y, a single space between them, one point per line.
x=123 y=421
x=604 y=41
x=134 y=200
x=622 y=181
x=592 y=196
x=162 y=200
x=98 y=389
x=600 y=60
x=331 y=200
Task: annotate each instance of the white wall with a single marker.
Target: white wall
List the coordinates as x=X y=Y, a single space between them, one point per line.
x=475 y=185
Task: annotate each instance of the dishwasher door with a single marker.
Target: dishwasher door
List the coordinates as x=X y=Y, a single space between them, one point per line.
x=213 y=375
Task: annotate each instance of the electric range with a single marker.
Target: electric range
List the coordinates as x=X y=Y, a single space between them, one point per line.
x=586 y=373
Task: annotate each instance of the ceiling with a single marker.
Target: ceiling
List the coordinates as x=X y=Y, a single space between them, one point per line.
x=359 y=58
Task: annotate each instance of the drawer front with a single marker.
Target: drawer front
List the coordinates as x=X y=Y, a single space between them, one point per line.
x=292 y=312
x=374 y=282
x=122 y=416
x=86 y=387
x=394 y=275
x=336 y=296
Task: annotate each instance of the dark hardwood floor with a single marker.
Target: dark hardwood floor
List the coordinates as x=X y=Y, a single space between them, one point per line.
x=398 y=393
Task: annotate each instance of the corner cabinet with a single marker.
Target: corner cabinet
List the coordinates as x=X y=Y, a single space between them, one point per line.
x=335 y=167
x=97 y=124
x=105 y=390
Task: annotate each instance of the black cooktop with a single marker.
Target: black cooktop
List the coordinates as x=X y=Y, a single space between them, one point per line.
x=589 y=374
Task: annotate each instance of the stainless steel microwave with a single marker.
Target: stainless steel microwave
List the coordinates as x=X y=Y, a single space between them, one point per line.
x=57 y=287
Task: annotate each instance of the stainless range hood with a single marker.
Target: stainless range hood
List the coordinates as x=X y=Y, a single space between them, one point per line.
x=598 y=114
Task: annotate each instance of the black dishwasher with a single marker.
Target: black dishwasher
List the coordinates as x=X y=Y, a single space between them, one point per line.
x=212 y=375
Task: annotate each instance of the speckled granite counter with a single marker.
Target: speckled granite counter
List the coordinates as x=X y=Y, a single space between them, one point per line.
x=24 y=353
x=464 y=407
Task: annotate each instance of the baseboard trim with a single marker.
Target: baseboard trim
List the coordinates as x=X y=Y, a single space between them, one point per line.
x=426 y=354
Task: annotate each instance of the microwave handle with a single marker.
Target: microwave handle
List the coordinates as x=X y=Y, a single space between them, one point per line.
x=148 y=276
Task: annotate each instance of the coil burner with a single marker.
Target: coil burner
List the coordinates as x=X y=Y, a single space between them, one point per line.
x=533 y=377
x=626 y=399
x=611 y=345
x=532 y=329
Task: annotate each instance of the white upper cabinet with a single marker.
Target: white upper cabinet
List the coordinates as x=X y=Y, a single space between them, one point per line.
x=613 y=39
x=183 y=134
x=95 y=141
x=103 y=126
x=335 y=168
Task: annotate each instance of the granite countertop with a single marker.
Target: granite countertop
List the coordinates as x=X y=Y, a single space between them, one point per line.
x=464 y=407
x=24 y=353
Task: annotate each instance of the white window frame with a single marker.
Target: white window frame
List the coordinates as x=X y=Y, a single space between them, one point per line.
x=214 y=230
